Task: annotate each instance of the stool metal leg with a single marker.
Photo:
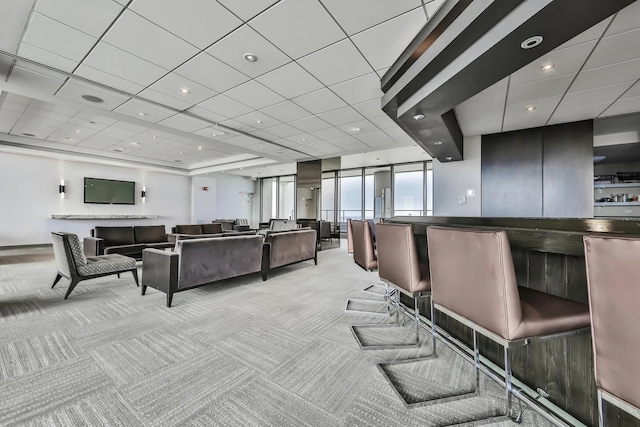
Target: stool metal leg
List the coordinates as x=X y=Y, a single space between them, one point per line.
x=476 y=358
x=434 y=332
x=600 y=409
x=416 y=312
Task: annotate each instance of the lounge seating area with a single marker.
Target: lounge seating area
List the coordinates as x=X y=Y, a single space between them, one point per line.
x=129 y=241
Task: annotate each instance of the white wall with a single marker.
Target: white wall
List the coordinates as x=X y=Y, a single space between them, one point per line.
x=451 y=180
x=228 y=197
x=29 y=196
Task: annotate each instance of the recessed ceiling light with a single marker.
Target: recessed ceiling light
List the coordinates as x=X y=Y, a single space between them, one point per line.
x=304 y=139
x=77 y=130
x=142 y=114
x=547 y=67
x=222 y=171
x=250 y=57
x=418 y=117
x=178 y=161
x=241 y=168
x=259 y=173
x=356 y=129
x=119 y=150
x=135 y=143
x=91 y=98
x=199 y=148
x=258 y=121
x=531 y=42
x=437 y=143
x=67 y=139
x=93 y=123
x=261 y=148
x=377 y=158
x=166 y=157
x=531 y=108
x=154 y=137
x=279 y=153
x=182 y=152
x=185 y=91
x=29 y=135
x=448 y=158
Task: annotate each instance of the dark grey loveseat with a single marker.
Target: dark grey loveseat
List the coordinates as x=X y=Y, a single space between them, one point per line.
x=129 y=241
x=288 y=247
x=196 y=262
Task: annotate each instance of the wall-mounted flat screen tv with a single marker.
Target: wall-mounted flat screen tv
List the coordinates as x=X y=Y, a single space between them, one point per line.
x=109 y=192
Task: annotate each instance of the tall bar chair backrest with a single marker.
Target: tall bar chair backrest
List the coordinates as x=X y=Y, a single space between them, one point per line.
x=363 y=250
x=349 y=236
x=398 y=262
x=614 y=305
x=472 y=274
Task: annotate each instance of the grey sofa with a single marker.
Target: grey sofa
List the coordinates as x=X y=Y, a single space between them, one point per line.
x=288 y=247
x=196 y=262
x=128 y=241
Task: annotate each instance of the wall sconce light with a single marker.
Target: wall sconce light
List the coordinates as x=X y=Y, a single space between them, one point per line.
x=143 y=194
x=61 y=188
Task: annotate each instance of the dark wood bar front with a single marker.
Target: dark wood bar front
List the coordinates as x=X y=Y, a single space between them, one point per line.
x=548 y=256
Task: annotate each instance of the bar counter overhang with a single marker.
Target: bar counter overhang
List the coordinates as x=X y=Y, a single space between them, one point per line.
x=548 y=256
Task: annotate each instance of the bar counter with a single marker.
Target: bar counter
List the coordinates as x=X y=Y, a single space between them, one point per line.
x=548 y=256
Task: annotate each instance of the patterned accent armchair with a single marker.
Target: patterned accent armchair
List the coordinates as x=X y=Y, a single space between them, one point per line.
x=73 y=265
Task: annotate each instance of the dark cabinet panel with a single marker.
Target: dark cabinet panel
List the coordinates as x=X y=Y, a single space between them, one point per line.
x=567 y=170
x=512 y=174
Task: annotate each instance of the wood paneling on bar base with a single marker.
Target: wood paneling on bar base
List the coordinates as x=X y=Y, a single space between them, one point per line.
x=544 y=261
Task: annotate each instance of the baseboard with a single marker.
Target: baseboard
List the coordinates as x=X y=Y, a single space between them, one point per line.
x=39 y=245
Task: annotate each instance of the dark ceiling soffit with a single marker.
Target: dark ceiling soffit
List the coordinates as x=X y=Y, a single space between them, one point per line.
x=557 y=23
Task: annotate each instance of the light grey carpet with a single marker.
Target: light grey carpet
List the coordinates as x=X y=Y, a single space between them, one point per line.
x=238 y=353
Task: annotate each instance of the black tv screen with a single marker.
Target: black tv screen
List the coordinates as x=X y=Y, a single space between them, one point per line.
x=110 y=192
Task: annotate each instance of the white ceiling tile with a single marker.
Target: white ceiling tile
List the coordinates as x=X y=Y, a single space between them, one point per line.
x=320 y=101
x=526 y=122
x=35 y=81
x=623 y=106
x=206 y=114
x=633 y=91
x=283 y=130
x=241 y=141
x=309 y=124
x=262 y=134
x=359 y=89
x=433 y=6
x=214 y=133
x=40 y=132
x=210 y=72
x=231 y=50
x=89 y=16
x=370 y=108
x=89 y=124
x=184 y=123
x=608 y=75
x=290 y=80
x=593 y=33
x=117 y=62
x=13 y=107
x=225 y=106
x=8 y=119
x=355 y=128
x=298 y=27
x=626 y=19
x=18 y=99
x=594 y=96
x=238 y=126
x=341 y=116
x=61 y=139
x=254 y=117
x=357 y=15
x=58 y=38
x=384 y=43
x=384 y=122
x=617 y=48
x=15 y=15
x=565 y=61
x=108 y=79
x=377 y=138
x=136 y=35
x=539 y=89
x=304 y=139
x=98 y=119
x=322 y=63
x=580 y=113
x=200 y=22
x=286 y=111
x=45 y=57
x=348 y=143
x=400 y=136
x=48 y=106
x=171 y=86
x=482 y=114
x=73 y=90
x=329 y=133
x=152 y=113
x=254 y=95
x=247 y=9
x=543 y=105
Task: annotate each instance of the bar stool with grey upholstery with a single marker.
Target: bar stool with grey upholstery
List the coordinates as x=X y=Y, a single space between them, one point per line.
x=473 y=281
x=399 y=268
x=614 y=298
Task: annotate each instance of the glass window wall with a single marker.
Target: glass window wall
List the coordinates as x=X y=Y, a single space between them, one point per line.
x=287 y=197
x=408 y=190
x=350 y=195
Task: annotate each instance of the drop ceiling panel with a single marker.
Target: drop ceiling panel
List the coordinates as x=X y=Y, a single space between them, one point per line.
x=47 y=34
x=236 y=125
x=90 y=17
x=172 y=85
x=320 y=101
x=565 y=61
x=117 y=62
x=91 y=117
x=580 y=113
x=286 y=111
x=633 y=91
x=341 y=116
x=623 y=106
x=593 y=33
x=98 y=143
x=247 y=9
x=539 y=89
x=594 y=96
x=355 y=128
x=347 y=143
x=370 y=108
x=45 y=57
x=357 y=15
x=627 y=19
x=73 y=90
x=199 y=22
x=298 y=27
x=8 y=119
x=257 y=120
x=134 y=34
x=608 y=75
x=483 y=113
x=212 y=73
x=40 y=132
x=48 y=106
x=34 y=81
x=184 y=123
x=225 y=106
x=206 y=114
x=525 y=122
x=13 y=107
x=310 y=124
x=290 y=80
x=383 y=122
x=384 y=43
x=231 y=50
x=360 y=89
x=108 y=79
x=617 y=48
x=16 y=15
x=254 y=95
x=322 y=63
x=543 y=105
x=283 y=130
x=213 y=133
x=329 y=133
x=152 y=113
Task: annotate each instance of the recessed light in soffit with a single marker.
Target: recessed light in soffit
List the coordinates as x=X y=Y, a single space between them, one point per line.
x=250 y=57
x=531 y=42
